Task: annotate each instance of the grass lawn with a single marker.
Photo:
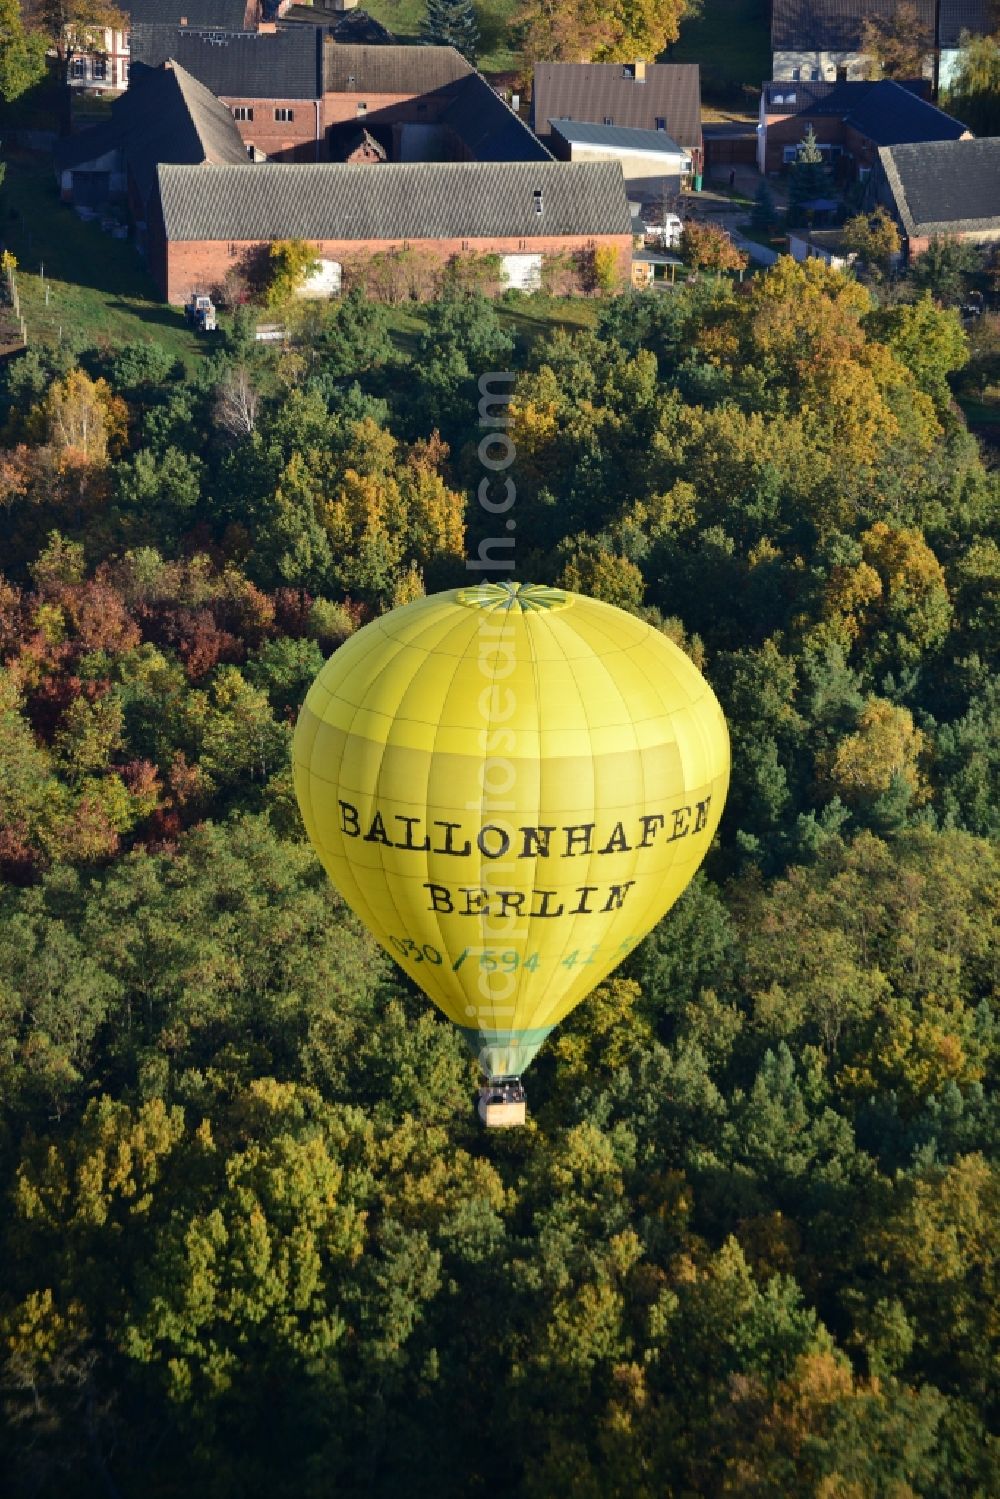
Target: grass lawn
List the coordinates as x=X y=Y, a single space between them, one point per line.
x=99 y=289
x=406 y=17
x=526 y=317
x=731 y=40
x=531 y=317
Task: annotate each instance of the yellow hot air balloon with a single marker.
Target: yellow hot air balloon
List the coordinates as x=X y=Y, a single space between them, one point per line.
x=510 y=785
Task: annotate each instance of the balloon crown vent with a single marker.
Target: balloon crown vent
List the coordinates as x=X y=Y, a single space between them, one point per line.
x=528 y=597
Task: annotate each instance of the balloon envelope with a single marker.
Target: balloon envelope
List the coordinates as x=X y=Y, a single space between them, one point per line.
x=510 y=785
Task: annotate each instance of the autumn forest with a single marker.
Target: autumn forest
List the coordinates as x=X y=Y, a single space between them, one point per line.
x=253 y=1238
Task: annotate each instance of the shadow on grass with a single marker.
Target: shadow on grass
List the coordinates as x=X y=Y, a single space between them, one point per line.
x=158 y=314
x=41 y=230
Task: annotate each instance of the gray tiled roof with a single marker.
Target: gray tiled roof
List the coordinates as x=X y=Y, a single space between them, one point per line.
x=886 y=112
x=237 y=64
x=945 y=187
x=296 y=62
x=395 y=201
x=351 y=69
x=583 y=133
x=893 y=116
x=228 y=15
x=836 y=25
x=488 y=127
x=343 y=25
x=167 y=116
x=598 y=91
x=782 y=96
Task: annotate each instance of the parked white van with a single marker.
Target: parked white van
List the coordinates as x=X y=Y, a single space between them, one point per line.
x=667 y=232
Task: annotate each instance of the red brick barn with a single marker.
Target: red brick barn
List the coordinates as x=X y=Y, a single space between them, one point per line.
x=941 y=188
x=205 y=221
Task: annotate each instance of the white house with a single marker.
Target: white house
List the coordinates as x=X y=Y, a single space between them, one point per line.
x=821 y=41
x=820 y=244
x=653 y=164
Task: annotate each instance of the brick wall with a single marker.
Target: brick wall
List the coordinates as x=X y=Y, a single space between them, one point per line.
x=282 y=140
x=385 y=109
x=183 y=266
x=364 y=153
x=789 y=130
x=296 y=139
x=919 y=243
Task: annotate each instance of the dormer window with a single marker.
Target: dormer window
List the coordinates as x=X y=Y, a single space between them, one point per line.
x=628 y=71
x=608 y=120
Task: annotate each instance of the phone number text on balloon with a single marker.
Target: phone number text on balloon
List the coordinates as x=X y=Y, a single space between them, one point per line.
x=505 y=960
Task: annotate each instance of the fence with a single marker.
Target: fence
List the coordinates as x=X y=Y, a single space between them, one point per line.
x=12 y=299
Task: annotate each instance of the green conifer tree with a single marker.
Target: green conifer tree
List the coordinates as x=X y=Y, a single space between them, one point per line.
x=764 y=213
x=809 y=178
x=452 y=23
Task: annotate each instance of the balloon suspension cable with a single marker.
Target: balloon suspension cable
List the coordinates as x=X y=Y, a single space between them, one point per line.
x=503 y=1103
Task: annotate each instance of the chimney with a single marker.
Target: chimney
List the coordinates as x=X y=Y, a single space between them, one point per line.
x=266 y=28
x=183 y=21
x=640 y=72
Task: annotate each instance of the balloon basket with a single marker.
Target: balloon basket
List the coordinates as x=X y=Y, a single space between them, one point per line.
x=503 y=1103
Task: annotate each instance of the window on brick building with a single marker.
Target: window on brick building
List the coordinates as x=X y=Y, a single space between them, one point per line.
x=78 y=68
x=284 y=115
x=242 y=111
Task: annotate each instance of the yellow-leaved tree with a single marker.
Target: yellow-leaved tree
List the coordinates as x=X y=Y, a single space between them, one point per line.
x=585 y=31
